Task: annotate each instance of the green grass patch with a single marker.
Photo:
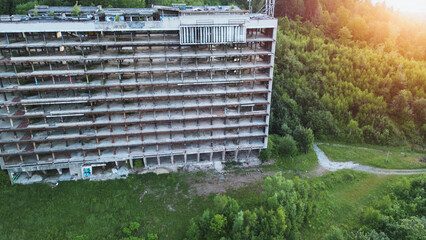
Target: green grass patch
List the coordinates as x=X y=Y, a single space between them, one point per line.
x=98 y=210
x=302 y=162
x=343 y=196
x=164 y=204
x=399 y=157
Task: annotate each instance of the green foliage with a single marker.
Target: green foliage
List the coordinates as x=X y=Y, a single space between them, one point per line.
x=335 y=234
x=23 y=8
x=131 y=231
x=286 y=146
x=265 y=155
x=152 y=236
x=51 y=13
x=218 y=224
x=4 y=179
x=371 y=217
x=138 y=163
x=343 y=89
x=399 y=215
x=284 y=208
x=76 y=10
x=304 y=138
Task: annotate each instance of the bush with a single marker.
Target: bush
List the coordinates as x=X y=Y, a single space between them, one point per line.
x=335 y=234
x=265 y=155
x=304 y=138
x=286 y=146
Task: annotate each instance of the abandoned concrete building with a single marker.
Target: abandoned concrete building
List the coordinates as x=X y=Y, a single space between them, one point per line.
x=162 y=86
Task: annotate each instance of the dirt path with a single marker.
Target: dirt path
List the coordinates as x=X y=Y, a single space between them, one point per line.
x=334 y=166
x=221 y=182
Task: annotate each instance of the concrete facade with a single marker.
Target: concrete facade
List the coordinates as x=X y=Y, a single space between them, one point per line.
x=183 y=86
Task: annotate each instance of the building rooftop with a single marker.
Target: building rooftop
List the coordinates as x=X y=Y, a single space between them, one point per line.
x=98 y=13
x=43 y=9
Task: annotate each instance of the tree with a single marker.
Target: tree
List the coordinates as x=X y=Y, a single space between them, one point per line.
x=401 y=106
x=304 y=138
x=76 y=10
x=345 y=34
x=311 y=7
x=257 y=5
x=218 y=224
x=290 y=8
x=359 y=28
x=286 y=146
x=265 y=155
x=343 y=16
x=25 y=7
x=335 y=234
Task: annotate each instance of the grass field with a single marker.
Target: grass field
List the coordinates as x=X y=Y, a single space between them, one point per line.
x=399 y=157
x=302 y=162
x=98 y=210
x=164 y=204
x=345 y=194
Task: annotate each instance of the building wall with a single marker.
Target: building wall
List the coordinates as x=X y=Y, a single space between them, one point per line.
x=98 y=94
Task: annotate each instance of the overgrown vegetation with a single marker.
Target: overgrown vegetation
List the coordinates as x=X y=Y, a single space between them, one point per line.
x=284 y=208
x=135 y=208
x=354 y=93
x=400 y=214
x=339 y=205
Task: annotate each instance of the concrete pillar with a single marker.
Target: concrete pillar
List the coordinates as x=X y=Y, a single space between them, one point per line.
x=30 y=174
x=59 y=171
x=131 y=162
x=198 y=157
x=173 y=160
x=184 y=156
x=236 y=155
x=116 y=163
x=44 y=172
x=158 y=160
x=144 y=162
x=223 y=156
x=211 y=156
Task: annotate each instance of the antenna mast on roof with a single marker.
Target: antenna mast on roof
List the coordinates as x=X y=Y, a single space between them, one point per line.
x=269 y=7
x=250 y=8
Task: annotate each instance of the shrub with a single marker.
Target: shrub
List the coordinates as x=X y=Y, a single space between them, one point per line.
x=304 y=138
x=286 y=146
x=76 y=10
x=265 y=155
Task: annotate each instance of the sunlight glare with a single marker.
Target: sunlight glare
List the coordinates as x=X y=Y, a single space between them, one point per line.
x=408 y=6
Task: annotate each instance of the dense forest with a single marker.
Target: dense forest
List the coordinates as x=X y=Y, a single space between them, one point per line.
x=349 y=71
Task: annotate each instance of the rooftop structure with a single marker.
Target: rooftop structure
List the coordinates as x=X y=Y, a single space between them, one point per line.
x=164 y=86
